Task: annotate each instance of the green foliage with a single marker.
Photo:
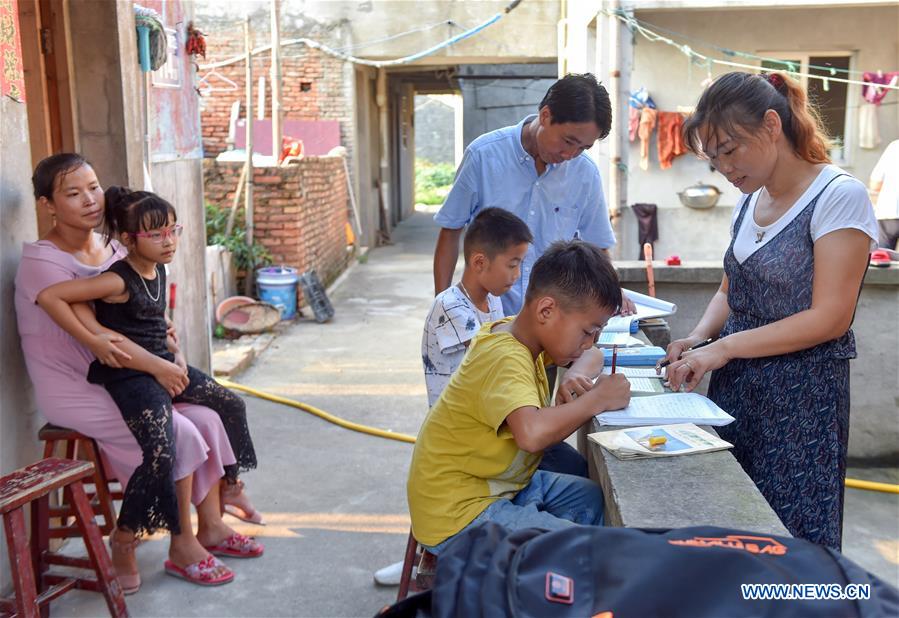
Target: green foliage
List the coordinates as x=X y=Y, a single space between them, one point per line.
x=245 y=258
x=432 y=181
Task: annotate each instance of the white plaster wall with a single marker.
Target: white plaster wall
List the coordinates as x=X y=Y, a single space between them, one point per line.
x=871 y=32
x=527 y=33
x=181 y=182
x=19 y=420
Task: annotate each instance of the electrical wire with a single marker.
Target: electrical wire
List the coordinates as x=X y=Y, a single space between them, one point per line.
x=393 y=37
x=378 y=64
x=790 y=65
x=694 y=55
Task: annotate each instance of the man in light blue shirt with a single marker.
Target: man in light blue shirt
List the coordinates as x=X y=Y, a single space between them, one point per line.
x=538 y=170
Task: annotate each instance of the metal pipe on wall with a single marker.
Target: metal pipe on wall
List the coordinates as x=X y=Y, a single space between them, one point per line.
x=384 y=125
x=615 y=174
x=277 y=130
x=620 y=122
x=248 y=47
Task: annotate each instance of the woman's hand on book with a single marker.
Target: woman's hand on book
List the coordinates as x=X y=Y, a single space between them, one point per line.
x=107 y=352
x=686 y=373
x=677 y=347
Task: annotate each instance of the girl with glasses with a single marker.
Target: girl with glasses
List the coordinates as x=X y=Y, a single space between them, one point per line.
x=129 y=299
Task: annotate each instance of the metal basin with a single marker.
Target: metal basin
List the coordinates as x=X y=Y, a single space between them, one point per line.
x=700 y=196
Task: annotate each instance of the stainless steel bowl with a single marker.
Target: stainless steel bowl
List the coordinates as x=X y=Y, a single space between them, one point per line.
x=700 y=196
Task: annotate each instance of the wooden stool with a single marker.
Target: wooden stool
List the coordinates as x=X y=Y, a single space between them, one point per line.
x=101 y=496
x=427 y=569
x=34 y=587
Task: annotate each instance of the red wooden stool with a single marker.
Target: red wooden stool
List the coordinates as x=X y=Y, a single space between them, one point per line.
x=34 y=586
x=427 y=569
x=100 y=495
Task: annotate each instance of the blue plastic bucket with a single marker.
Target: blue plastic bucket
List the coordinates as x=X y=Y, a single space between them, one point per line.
x=277 y=285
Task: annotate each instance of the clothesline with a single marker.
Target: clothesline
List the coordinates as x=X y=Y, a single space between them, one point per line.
x=372 y=63
x=790 y=64
x=692 y=54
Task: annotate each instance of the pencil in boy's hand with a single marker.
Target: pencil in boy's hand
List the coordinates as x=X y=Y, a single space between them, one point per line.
x=614 y=357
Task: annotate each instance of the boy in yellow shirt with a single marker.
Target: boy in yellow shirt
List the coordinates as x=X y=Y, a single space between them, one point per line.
x=477 y=452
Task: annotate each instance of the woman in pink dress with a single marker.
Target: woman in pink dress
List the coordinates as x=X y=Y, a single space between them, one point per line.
x=57 y=364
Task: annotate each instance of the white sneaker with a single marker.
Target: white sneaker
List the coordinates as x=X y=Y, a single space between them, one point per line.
x=390 y=575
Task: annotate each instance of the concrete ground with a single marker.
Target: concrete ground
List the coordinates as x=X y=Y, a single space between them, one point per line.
x=335 y=499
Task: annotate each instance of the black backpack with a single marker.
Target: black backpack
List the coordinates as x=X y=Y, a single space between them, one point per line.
x=630 y=573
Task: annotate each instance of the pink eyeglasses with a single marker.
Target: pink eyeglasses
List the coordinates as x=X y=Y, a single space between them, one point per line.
x=157 y=237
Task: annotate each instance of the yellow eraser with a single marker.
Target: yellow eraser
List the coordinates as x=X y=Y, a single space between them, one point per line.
x=657 y=440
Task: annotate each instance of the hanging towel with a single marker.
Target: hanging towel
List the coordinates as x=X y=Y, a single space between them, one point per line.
x=868 y=131
x=647 y=225
x=647 y=124
x=633 y=122
x=670 y=142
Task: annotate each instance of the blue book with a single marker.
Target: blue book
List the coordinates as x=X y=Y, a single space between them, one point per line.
x=636 y=357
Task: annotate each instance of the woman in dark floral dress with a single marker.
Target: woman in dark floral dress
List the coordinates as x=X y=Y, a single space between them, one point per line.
x=793 y=272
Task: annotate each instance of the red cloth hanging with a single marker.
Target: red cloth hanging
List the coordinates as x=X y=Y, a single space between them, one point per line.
x=670 y=142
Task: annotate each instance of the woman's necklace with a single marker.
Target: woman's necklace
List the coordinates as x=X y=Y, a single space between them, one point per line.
x=144 y=281
x=471 y=300
x=771 y=206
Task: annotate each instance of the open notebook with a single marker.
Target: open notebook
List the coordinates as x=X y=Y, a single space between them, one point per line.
x=647 y=307
x=670 y=408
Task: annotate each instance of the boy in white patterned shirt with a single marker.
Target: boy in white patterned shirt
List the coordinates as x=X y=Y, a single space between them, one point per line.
x=494 y=246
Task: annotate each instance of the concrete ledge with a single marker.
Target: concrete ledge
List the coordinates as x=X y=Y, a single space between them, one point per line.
x=674 y=492
x=711 y=272
x=232 y=358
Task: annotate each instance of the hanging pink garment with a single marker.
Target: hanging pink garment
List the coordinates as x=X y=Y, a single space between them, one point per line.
x=873 y=94
x=873 y=91
x=647 y=124
x=633 y=122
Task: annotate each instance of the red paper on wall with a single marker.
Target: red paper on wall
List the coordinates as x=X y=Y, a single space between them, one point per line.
x=12 y=76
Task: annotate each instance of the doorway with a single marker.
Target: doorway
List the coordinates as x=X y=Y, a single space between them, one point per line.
x=46 y=56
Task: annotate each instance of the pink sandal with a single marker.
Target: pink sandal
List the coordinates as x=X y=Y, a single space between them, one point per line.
x=237 y=546
x=202 y=573
x=236 y=503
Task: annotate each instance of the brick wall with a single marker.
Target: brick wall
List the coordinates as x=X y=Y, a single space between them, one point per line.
x=299 y=211
x=315 y=86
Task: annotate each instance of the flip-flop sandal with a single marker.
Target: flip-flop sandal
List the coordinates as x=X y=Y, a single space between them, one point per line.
x=241 y=508
x=251 y=517
x=129 y=582
x=201 y=573
x=237 y=546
